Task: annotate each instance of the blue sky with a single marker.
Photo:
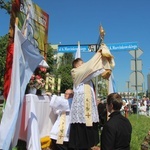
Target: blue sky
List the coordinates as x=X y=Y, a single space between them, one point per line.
x=79 y=20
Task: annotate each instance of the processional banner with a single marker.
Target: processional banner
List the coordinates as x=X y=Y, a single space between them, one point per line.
x=32 y=21
x=33 y=24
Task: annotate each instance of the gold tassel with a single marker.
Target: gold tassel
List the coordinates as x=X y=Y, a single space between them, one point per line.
x=106 y=74
x=45 y=142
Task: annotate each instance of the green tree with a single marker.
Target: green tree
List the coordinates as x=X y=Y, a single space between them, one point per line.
x=141 y=94
x=6 y=5
x=50 y=59
x=66 y=79
x=65 y=71
x=3 y=47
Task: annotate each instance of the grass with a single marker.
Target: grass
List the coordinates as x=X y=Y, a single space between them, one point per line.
x=140 y=128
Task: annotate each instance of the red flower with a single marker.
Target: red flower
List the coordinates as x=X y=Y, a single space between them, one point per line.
x=38 y=79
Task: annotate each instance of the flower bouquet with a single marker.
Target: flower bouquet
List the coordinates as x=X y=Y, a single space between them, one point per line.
x=37 y=80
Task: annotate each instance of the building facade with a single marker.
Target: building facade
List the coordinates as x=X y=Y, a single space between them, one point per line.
x=148 y=85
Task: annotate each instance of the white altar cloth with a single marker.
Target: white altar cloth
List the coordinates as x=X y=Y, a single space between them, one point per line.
x=37 y=120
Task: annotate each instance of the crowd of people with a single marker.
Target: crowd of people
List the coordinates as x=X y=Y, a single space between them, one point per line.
x=134 y=106
x=84 y=124
x=140 y=106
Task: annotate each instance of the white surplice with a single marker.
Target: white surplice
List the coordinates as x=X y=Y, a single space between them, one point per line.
x=60 y=105
x=78 y=103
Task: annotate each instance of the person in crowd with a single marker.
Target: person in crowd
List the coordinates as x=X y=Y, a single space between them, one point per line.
x=143 y=106
x=102 y=113
x=125 y=108
x=147 y=106
x=116 y=133
x=134 y=106
x=84 y=131
x=59 y=133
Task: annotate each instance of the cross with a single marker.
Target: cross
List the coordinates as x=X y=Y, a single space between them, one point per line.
x=88 y=115
x=61 y=136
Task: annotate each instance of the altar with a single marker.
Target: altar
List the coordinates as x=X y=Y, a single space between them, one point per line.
x=37 y=120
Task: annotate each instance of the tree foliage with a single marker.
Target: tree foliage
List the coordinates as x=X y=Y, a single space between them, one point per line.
x=3 y=47
x=50 y=59
x=66 y=79
x=65 y=71
x=60 y=66
x=6 y=5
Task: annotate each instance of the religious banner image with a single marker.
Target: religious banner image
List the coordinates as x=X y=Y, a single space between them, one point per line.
x=33 y=22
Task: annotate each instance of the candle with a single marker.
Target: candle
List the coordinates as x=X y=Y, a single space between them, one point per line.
x=46 y=82
x=59 y=83
x=53 y=83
